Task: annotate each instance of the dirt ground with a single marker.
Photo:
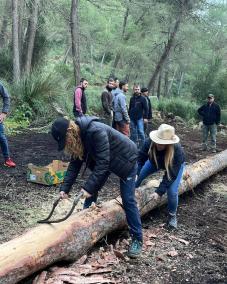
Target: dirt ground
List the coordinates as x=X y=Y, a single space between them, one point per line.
x=166 y=258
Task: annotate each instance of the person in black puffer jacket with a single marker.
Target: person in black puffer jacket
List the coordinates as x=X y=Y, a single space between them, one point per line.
x=162 y=151
x=105 y=151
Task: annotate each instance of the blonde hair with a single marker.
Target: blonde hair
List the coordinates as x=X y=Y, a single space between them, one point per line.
x=73 y=145
x=168 y=160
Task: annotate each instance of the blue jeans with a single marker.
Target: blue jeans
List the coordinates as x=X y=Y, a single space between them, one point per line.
x=137 y=132
x=127 y=189
x=172 y=190
x=4 y=142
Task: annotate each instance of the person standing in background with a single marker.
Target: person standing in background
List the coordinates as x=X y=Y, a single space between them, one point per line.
x=3 y=140
x=211 y=114
x=80 y=102
x=145 y=94
x=138 y=110
x=116 y=86
x=121 y=118
x=107 y=100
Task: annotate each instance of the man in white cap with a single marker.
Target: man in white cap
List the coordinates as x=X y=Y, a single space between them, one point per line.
x=162 y=151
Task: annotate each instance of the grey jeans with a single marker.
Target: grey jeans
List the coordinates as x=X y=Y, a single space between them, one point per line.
x=212 y=129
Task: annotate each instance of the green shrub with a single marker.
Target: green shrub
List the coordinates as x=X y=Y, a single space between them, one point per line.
x=34 y=95
x=179 y=107
x=6 y=65
x=224 y=117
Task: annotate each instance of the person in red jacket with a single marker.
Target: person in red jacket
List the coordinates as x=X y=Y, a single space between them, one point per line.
x=80 y=101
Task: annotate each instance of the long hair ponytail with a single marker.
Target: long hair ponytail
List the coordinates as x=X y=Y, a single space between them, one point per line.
x=168 y=160
x=74 y=146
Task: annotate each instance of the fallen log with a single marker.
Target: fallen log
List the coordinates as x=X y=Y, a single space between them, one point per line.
x=47 y=244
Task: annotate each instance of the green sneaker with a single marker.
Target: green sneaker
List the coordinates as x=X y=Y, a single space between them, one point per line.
x=172 y=221
x=135 y=248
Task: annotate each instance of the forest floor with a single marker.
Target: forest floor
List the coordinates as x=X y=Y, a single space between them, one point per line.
x=195 y=253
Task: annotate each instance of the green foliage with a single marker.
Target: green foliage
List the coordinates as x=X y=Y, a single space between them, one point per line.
x=6 y=63
x=94 y=100
x=34 y=95
x=180 y=107
x=224 y=116
x=211 y=81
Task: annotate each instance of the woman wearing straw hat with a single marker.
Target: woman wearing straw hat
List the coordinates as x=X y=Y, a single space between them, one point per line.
x=162 y=151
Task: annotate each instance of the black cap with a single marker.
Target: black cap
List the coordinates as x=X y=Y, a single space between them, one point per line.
x=59 y=130
x=144 y=90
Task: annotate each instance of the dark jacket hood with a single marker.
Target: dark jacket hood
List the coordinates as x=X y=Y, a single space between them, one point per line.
x=84 y=122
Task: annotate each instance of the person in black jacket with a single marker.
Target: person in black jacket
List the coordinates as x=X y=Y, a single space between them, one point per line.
x=105 y=151
x=145 y=94
x=162 y=151
x=107 y=101
x=211 y=114
x=138 y=111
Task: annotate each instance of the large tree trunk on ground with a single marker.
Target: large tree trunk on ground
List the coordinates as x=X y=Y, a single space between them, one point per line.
x=46 y=244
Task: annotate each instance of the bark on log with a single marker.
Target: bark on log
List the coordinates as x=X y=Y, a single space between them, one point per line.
x=46 y=244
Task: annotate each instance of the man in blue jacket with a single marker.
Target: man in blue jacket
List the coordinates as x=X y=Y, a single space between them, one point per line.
x=211 y=114
x=105 y=151
x=3 y=140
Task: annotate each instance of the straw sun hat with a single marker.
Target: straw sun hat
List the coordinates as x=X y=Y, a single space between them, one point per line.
x=164 y=135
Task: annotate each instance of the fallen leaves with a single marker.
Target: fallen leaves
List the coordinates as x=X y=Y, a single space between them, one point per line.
x=179 y=239
x=172 y=253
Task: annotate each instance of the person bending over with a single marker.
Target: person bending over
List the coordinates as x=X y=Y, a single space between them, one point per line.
x=105 y=151
x=162 y=151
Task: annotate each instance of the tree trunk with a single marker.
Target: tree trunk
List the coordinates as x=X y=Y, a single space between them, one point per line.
x=180 y=83
x=118 y=55
x=32 y=27
x=166 y=80
x=74 y=25
x=159 y=85
x=16 y=52
x=21 y=17
x=47 y=244
x=4 y=24
x=171 y=83
x=166 y=51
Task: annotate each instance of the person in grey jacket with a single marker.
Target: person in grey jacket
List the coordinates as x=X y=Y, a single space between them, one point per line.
x=121 y=118
x=3 y=140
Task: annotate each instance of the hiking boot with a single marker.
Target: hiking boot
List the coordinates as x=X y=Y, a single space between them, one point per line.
x=135 y=248
x=214 y=151
x=204 y=148
x=9 y=163
x=172 y=221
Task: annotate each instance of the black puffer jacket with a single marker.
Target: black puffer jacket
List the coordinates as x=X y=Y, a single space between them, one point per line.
x=178 y=160
x=105 y=150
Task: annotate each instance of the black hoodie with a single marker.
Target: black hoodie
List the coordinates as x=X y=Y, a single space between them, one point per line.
x=105 y=150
